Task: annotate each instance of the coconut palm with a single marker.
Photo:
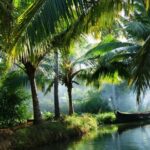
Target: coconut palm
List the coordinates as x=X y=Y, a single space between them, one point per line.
x=67 y=74
x=34 y=41
x=35 y=73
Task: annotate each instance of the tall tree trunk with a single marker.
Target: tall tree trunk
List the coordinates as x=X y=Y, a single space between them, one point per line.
x=56 y=97
x=36 y=108
x=71 y=110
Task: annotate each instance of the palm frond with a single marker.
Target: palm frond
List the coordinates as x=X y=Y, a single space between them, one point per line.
x=45 y=73
x=102 y=49
x=15 y=79
x=45 y=18
x=141 y=72
x=138 y=30
x=49 y=87
x=6 y=19
x=116 y=62
x=139 y=27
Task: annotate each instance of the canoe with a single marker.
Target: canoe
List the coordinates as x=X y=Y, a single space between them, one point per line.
x=124 y=116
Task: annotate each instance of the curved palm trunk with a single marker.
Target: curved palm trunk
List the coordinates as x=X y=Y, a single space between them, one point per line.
x=56 y=97
x=71 y=110
x=36 y=108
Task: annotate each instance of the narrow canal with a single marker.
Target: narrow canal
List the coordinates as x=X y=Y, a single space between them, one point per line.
x=130 y=137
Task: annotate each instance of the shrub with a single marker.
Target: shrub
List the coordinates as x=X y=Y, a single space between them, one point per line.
x=13 y=101
x=105 y=118
x=84 y=123
x=48 y=115
x=12 y=107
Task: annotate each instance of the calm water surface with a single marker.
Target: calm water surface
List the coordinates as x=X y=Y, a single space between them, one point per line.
x=109 y=138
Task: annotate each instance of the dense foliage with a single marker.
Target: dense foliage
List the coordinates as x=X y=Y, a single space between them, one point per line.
x=13 y=102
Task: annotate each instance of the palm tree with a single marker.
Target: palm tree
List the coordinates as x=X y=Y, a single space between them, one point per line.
x=66 y=71
x=30 y=66
x=67 y=74
x=35 y=70
x=31 y=70
x=35 y=40
x=58 y=11
x=48 y=76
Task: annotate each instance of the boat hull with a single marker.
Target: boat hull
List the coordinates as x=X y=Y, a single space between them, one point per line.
x=124 y=117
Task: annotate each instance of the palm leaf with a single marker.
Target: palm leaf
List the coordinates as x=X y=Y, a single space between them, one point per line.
x=15 y=79
x=49 y=87
x=44 y=18
x=139 y=27
x=138 y=30
x=102 y=49
x=117 y=61
x=47 y=18
x=141 y=72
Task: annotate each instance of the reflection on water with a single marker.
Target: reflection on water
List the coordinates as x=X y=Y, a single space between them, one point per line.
x=110 y=138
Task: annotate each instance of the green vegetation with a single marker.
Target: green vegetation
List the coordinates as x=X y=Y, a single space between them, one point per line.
x=45 y=43
x=16 y=110
x=64 y=129
x=13 y=102
x=106 y=118
x=61 y=130
x=48 y=116
x=92 y=103
x=33 y=31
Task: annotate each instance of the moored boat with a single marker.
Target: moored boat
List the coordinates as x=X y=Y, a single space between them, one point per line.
x=124 y=116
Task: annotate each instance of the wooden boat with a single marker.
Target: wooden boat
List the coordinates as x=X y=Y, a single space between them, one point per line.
x=124 y=116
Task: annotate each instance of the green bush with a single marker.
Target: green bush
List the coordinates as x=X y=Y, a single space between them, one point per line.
x=12 y=107
x=48 y=115
x=13 y=101
x=106 y=118
x=85 y=123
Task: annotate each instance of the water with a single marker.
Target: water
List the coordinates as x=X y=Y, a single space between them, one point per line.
x=128 y=137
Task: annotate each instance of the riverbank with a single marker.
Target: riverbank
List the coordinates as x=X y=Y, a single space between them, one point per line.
x=64 y=129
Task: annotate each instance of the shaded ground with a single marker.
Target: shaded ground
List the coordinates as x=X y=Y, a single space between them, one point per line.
x=5 y=138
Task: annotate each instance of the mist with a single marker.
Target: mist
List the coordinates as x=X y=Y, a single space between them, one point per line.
x=119 y=97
